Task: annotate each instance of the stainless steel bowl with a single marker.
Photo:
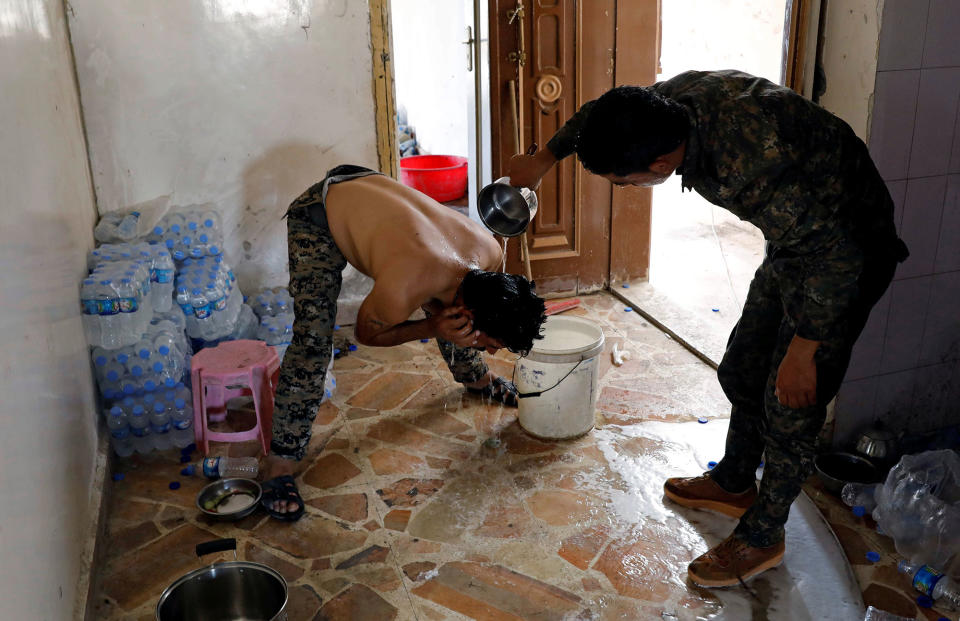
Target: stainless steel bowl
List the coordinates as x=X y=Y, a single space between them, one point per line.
x=506 y=210
x=221 y=487
x=837 y=469
x=231 y=591
x=878 y=444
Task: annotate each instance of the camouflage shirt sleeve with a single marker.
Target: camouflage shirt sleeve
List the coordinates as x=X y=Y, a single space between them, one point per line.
x=564 y=142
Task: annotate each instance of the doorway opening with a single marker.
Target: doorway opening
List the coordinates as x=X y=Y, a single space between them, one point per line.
x=702 y=258
x=441 y=78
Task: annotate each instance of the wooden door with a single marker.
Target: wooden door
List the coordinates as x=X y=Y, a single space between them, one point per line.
x=586 y=233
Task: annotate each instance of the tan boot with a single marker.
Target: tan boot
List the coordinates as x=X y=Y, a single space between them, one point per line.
x=731 y=561
x=702 y=492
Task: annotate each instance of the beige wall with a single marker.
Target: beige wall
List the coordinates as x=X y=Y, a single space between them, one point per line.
x=47 y=418
x=850 y=32
x=906 y=367
x=239 y=104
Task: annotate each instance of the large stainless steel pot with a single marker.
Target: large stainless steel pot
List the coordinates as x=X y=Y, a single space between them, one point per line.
x=229 y=591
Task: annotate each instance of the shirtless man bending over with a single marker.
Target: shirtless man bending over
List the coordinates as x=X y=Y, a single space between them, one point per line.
x=420 y=254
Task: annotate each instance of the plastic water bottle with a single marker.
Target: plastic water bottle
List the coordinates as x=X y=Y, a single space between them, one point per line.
x=165 y=270
x=932 y=583
x=90 y=307
x=160 y=427
x=140 y=428
x=230 y=467
x=108 y=304
x=119 y=432
x=860 y=496
x=181 y=419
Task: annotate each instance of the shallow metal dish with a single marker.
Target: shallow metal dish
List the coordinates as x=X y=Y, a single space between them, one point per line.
x=837 y=469
x=218 y=488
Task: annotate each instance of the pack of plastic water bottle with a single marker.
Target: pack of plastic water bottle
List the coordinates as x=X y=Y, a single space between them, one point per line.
x=155 y=257
x=272 y=302
x=189 y=234
x=116 y=303
x=207 y=294
x=277 y=331
x=154 y=421
x=158 y=361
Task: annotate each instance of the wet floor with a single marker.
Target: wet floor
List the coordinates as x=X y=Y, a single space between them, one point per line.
x=426 y=503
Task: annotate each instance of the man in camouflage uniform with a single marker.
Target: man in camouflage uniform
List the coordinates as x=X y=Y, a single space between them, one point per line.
x=421 y=255
x=807 y=182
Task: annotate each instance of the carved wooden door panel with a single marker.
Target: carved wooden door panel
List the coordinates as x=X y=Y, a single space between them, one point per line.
x=546 y=61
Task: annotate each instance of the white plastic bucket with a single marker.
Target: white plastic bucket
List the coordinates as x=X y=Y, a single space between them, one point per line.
x=563 y=367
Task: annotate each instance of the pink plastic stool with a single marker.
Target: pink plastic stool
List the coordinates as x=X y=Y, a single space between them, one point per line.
x=233 y=369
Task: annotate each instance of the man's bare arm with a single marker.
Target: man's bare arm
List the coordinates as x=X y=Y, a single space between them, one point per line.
x=380 y=324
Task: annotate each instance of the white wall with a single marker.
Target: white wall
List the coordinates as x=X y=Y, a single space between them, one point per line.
x=851 y=29
x=430 y=65
x=48 y=419
x=240 y=103
x=905 y=369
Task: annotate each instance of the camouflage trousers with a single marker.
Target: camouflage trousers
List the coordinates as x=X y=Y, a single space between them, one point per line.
x=760 y=426
x=316 y=264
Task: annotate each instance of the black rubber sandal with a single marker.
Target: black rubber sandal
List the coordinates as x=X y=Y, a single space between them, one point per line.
x=501 y=390
x=281 y=489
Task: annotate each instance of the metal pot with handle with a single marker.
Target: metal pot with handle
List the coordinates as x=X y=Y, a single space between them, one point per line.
x=228 y=591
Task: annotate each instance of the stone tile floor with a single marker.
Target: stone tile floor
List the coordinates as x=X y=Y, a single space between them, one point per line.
x=413 y=514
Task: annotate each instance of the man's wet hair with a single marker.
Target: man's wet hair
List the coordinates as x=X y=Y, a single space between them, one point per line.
x=505 y=307
x=628 y=128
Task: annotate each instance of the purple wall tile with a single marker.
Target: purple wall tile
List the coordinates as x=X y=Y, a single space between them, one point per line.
x=908 y=310
x=941 y=332
x=942 y=45
x=936 y=118
x=923 y=207
x=891 y=130
x=901 y=34
x=948 y=248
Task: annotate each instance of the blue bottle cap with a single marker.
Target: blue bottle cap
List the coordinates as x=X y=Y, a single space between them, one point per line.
x=169 y=382
x=117 y=476
x=336 y=327
x=208 y=223
x=214 y=250
x=144 y=353
x=627 y=309
x=163 y=350
x=157 y=367
x=116 y=411
x=872 y=556
x=335 y=351
x=129 y=389
x=179 y=403
x=859 y=511
x=626 y=285
x=174 y=485
x=190 y=470
x=136 y=370
x=138 y=410
x=352 y=347
x=424 y=340
x=112 y=375
x=192 y=226
x=716 y=310
x=703 y=420
x=128 y=402
x=203 y=238
x=924 y=601
x=711 y=465
x=150 y=385
x=158 y=230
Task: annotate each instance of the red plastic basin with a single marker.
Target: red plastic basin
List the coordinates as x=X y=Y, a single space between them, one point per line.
x=441 y=177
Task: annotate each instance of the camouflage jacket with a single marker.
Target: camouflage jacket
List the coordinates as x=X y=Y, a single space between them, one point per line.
x=794 y=170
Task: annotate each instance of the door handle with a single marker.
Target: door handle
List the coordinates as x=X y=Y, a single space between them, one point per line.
x=469 y=43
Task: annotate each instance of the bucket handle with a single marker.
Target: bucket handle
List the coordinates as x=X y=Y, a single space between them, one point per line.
x=217 y=545
x=526 y=395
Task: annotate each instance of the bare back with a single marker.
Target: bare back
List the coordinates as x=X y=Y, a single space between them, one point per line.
x=414 y=248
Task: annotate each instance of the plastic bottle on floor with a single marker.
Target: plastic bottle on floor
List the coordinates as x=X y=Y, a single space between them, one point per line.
x=119 y=432
x=140 y=429
x=160 y=426
x=860 y=496
x=230 y=467
x=181 y=419
x=932 y=583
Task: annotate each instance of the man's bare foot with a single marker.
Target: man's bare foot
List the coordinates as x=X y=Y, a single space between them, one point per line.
x=273 y=466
